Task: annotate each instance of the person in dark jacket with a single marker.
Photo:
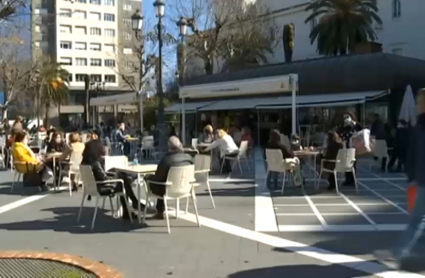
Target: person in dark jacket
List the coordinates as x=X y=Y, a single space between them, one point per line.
x=416 y=177
x=400 y=147
x=332 y=148
x=275 y=144
x=174 y=157
x=346 y=131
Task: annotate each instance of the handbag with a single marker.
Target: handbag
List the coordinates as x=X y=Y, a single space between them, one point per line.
x=411 y=197
x=32 y=178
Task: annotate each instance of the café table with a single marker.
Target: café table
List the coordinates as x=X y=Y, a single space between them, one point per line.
x=310 y=154
x=140 y=171
x=54 y=156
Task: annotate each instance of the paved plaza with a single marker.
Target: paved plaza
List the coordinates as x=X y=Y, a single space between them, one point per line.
x=251 y=233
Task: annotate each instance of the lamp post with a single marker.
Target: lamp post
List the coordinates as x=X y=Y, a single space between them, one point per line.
x=97 y=86
x=182 y=24
x=159 y=12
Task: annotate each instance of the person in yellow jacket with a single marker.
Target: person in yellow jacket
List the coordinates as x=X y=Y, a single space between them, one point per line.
x=24 y=158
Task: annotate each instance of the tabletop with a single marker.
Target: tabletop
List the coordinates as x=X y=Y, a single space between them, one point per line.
x=306 y=153
x=54 y=155
x=138 y=169
x=203 y=144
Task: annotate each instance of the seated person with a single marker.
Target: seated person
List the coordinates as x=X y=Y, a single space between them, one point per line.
x=334 y=145
x=57 y=144
x=75 y=146
x=207 y=136
x=21 y=153
x=121 y=138
x=93 y=154
x=246 y=136
x=174 y=157
x=227 y=147
x=290 y=159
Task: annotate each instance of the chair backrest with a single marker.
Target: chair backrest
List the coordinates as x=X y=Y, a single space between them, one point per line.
x=194 y=142
x=148 y=142
x=181 y=179
x=345 y=160
x=285 y=141
x=237 y=136
x=75 y=159
x=203 y=167
x=243 y=148
x=275 y=162
x=115 y=161
x=381 y=148
x=87 y=177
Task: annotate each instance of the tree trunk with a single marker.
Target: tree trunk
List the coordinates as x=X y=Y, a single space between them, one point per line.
x=208 y=66
x=47 y=116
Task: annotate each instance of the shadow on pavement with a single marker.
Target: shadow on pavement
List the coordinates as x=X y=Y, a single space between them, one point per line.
x=18 y=189
x=230 y=192
x=337 y=271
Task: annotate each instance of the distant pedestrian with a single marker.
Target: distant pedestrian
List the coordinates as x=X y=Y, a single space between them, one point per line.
x=416 y=177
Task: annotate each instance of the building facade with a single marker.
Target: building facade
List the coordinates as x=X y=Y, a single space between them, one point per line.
x=88 y=37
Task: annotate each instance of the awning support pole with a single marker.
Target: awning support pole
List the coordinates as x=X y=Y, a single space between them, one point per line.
x=364 y=113
x=141 y=113
x=258 y=126
x=294 y=81
x=183 y=123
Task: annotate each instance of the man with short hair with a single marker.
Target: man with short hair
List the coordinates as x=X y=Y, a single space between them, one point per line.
x=416 y=176
x=174 y=157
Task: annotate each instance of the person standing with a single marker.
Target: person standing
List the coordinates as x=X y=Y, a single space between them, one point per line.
x=400 y=147
x=332 y=149
x=416 y=177
x=346 y=132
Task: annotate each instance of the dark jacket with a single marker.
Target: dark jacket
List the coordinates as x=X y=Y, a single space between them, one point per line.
x=285 y=152
x=347 y=131
x=378 y=130
x=93 y=151
x=331 y=154
x=169 y=160
x=55 y=147
x=416 y=155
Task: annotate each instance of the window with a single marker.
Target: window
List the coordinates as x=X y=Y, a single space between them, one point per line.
x=396 y=8
x=127 y=21
x=95 y=46
x=96 y=62
x=80 y=30
x=109 y=17
x=66 y=61
x=65 y=45
x=80 y=14
x=37 y=28
x=65 y=13
x=95 y=31
x=40 y=11
x=129 y=65
x=110 y=79
x=95 y=78
x=70 y=77
x=126 y=36
x=80 y=61
x=81 y=1
x=127 y=50
x=109 y=63
x=95 y=2
x=109 y=2
x=66 y=29
x=80 y=46
x=110 y=32
x=128 y=7
x=109 y=47
x=80 y=77
x=94 y=16
x=398 y=51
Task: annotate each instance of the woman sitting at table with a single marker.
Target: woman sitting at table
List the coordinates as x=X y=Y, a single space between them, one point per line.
x=25 y=159
x=57 y=144
x=227 y=147
x=207 y=136
x=334 y=145
x=75 y=146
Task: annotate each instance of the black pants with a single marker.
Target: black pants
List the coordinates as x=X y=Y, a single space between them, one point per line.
x=128 y=180
x=126 y=148
x=349 y=178
x=400 y=157
x=227 y=164
x=331 y=180
x=159 y=190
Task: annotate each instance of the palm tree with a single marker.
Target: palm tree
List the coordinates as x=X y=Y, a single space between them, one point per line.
x=342 y=24
x=53 y=85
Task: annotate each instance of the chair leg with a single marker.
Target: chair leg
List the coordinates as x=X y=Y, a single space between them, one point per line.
x=196 y=209
x=177 y=208
x=209 y=190
x=112 y=206
x=222 y=165
x=247 y=163
x=70 y=184
x=146 y=208
x=166 y=215
x=81 y=207
x=336 y=182
x=187 y=205
x=240 y=167
x=103 y=204
x=283 y=182
x=95 y=213
x=355 y=180
x=15 y=175
x=318 y=180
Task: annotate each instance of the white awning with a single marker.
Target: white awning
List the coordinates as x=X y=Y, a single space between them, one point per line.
x=126 y=98
x=190 y=107
x=241 y=103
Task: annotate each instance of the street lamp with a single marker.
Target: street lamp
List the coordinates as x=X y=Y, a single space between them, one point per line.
x=182 y=24
x=137 y=23
x=159 y=12
x=97 y=86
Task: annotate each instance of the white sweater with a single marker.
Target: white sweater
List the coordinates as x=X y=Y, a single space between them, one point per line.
x=226 y=145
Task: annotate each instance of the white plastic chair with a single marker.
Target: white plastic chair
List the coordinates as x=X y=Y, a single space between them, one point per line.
x=381 y=151
x=90 y=188
x=148 y=146
x=194 y=142
x=72 y=168
x=16 y=174
x=276 y=163
x=344 y=163
x=243 y=148
x=202 y=170
x=179 y=185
